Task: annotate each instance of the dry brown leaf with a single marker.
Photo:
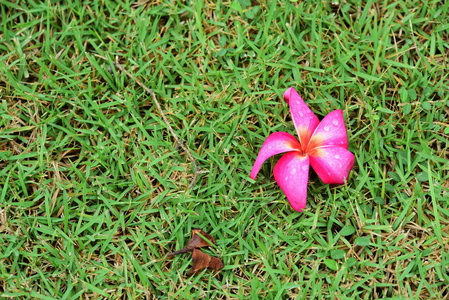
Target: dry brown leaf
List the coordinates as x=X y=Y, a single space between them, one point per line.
x=215 y=263
x=203 y=260
x=195 y=242
x=200 y=259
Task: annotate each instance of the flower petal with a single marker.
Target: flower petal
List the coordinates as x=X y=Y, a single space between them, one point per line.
x=331 y=131
x=278 y=142
x=292 y=173
x=304 y=119
x=332 y=163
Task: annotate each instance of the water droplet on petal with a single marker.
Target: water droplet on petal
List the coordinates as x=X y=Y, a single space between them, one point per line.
x=335 y=122
x=337 y=156
x=342 y=142
x=293 y=171
x=326 y=128
x=329 y=173
x=269 y=147
x=301 y=114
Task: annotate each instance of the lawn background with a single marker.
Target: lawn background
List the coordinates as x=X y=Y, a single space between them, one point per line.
x=94 y=190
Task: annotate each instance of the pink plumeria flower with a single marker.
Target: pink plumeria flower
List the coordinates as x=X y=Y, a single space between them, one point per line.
x=324 y=145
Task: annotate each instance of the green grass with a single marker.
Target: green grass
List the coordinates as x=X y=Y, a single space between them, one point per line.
x=94 y=190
